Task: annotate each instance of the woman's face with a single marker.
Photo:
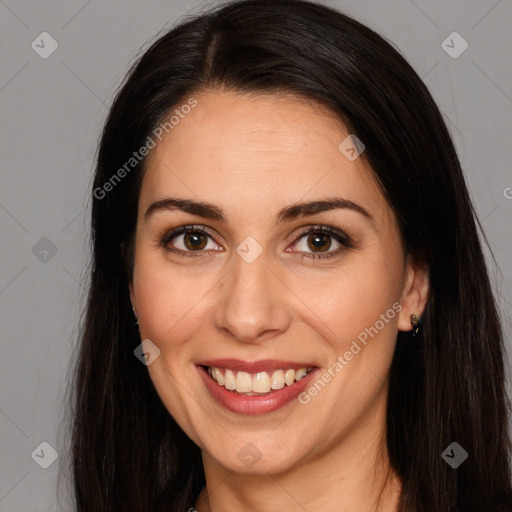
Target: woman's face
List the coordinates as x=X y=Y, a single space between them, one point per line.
x=246 y=286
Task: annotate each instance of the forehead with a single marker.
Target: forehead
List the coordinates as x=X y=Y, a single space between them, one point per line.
x=255 y=151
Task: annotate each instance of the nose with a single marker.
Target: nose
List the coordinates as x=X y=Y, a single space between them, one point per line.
x=252 y=302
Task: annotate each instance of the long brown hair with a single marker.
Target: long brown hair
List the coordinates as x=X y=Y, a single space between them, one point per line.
x=446 y=385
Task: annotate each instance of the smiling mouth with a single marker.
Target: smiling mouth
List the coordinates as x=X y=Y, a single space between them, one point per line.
x=258 y=383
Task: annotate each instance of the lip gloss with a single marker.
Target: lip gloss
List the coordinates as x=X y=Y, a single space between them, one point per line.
x=243 y=404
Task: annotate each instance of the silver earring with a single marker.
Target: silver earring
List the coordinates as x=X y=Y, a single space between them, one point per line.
x=135 y=316
x=415 y=322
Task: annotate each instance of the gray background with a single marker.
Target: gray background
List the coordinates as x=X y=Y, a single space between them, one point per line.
x=52 y=112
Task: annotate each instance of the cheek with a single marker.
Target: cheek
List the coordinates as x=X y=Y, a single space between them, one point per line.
x=169 y=304
x=348 y=302
x=359 y=315
x=170 y=312
x=358 y=305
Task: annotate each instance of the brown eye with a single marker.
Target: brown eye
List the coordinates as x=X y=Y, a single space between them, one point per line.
x=188 y=241
x=319 y=241
x=195 y=240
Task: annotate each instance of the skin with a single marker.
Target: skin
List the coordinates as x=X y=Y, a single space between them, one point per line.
x=252 y=155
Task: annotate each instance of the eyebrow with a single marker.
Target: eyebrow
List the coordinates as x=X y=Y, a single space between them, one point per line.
x=210 y=211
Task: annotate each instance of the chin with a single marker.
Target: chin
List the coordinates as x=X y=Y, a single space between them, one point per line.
x=259 y=457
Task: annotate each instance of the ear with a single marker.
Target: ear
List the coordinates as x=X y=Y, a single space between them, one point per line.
x=414 y=293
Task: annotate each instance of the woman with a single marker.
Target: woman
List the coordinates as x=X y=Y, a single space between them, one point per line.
x=289 y=305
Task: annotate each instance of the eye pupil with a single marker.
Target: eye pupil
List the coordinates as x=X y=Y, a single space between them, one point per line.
x=193 y=240
x=319 y=241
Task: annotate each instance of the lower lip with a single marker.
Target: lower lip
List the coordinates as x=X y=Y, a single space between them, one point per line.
x=244 y=404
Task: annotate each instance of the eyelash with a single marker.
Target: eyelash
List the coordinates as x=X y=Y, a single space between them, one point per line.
x=339 y=236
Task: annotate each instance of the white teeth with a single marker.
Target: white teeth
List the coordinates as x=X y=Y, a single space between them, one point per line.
x=289 y=377
x=218 y=376
x=277 y=379
x=229 y=380
x=243 y=382
x=301 y=372
x=259 y=383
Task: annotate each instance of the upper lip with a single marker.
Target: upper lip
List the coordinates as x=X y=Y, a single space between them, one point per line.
x=254 y=366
